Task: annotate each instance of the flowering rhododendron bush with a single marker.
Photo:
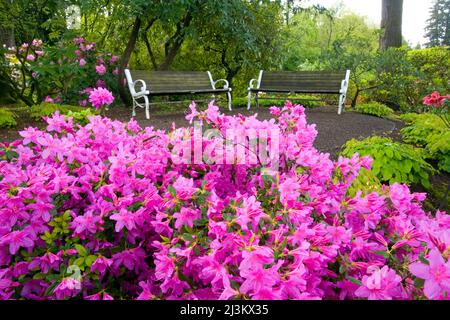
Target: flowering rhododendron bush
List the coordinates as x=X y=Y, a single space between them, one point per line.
x=105 y=211
x=62 y=73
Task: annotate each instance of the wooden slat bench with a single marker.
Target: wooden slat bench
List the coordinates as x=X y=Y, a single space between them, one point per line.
x=143 y=84
x=316 y=82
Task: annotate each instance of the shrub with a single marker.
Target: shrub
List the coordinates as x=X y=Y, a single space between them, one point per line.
x=81 y=117
x=7 y=119
x=305 y=100
x=375 y=109
x=393 y=161
x=57 y=73
x=429 y=131
x=45 y=109
x=105 y=211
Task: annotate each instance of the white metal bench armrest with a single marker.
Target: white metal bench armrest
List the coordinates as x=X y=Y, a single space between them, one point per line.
x=143 y=90
x=252 y=83
x=226 y=85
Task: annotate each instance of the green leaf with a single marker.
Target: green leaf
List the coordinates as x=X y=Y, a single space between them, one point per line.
x=79 y=262
x=81 y=250
x=172 y=191
x=389 y=153
x=382 y=253
x=90 y=260
x=354 y=280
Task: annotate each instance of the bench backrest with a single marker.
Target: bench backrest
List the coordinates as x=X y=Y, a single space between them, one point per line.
x=174 y=81
x=302 y=81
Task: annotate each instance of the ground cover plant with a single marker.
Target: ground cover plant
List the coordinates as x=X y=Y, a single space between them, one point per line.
x=107 y=211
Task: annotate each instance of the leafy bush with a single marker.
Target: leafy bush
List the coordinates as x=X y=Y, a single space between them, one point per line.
x=393 y=161
x=305 y=100
x=402 y=77
x=375 y=109
x=7 y=119
x=112 y=214
x=434 y=66
x=45 y=109
x=57 y=73
x=429 y=131
x=81 y=117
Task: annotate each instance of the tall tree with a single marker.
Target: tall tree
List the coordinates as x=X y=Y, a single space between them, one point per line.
x=438 y=25
x=391 y=24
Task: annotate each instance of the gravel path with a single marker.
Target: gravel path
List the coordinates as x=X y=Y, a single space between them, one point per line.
x=334 y=130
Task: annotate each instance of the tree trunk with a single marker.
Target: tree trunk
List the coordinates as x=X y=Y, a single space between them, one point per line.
x=126 y=58
x=391 y=23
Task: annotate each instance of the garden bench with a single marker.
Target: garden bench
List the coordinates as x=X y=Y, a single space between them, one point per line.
x=317 y=82
x=143 y=84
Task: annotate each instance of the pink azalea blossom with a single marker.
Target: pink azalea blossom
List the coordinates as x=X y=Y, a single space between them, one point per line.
x=186 y=217
x=69 y=287
x=380 y=284
x=436 y=275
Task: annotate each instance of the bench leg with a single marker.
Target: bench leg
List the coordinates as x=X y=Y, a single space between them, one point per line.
x=147 y=105
x=229 y=100
x=341 y=103
x=133 y=112
x=256 y=100
x=249 y=99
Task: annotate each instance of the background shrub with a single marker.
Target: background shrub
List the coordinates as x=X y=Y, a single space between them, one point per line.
x=309 y=101
x=393 y=161
x=7 y=119
x=429 y=131
x=46 y=109
x=375 y=109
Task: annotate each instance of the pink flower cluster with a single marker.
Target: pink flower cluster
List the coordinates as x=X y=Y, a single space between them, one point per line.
x=100 y=97
x=102 y=212
x=435 y=100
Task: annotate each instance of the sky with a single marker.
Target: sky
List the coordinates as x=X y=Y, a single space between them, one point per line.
x=415 y=14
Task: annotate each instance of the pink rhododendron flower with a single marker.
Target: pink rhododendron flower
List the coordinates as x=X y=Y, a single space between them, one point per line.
x=30 y=57
x=36 y=42
x=82 y=62
x=100 y=83
x=100 y=69
x=114 y=59
x=100 y=97
x=78 y=40
x=435 y=99
x=436 y=275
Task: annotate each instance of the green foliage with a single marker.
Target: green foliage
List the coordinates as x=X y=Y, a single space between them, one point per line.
x=393 y=161
x=81 y=117
x=375 y=109
x=46 y=109
x=305 y=100
x=367 y=182
x=7 y=119
x=429 y=131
